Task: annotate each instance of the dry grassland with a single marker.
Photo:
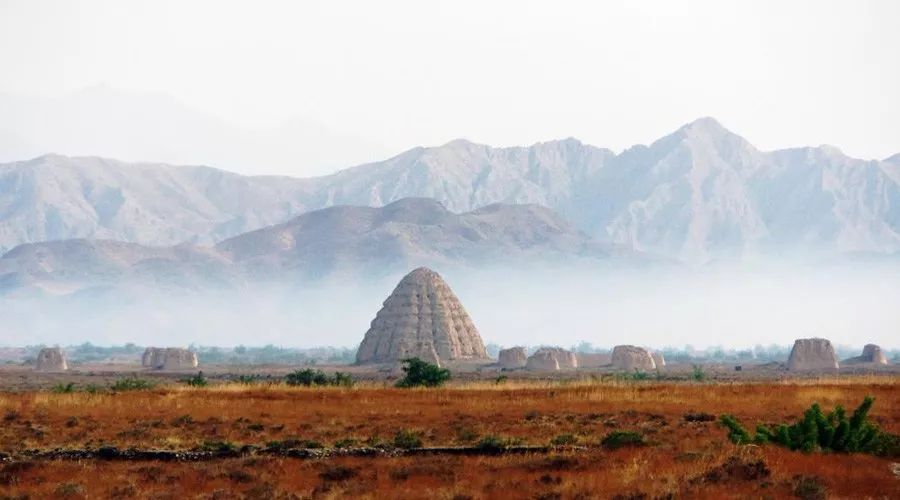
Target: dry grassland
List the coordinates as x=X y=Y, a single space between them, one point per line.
x=681 y=458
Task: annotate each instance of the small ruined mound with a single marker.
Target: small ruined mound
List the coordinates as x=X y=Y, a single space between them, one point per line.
x=180 y=359
x=51 y=359
x=629 y=357
x=551 y=359
x=154 y=357
x=514 y=357
x=812 y=354
x=658 y=359
x=421 y=313
x=169 y=358
x=542 y=361
x=872 y=354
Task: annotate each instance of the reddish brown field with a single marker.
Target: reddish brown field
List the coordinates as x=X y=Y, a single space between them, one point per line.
x=680 y=458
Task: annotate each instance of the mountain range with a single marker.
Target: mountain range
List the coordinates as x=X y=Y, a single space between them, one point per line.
x=699 y=194
x=335 y=242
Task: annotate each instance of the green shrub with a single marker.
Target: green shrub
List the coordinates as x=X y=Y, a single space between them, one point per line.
x=218 y=446
x=492 y=443
x=564 y=440
x=407 y=439
x=309 y=377
x=816 y=431
x=698 y=374
x=251 y=379
x=736 y=432
x=422 y=373
x=346 y=443
x=197 y=380
x=131 y=384
x=619 y=439
x=64 y=388
x=342 y=379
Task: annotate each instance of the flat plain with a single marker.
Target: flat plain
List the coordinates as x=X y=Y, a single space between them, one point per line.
x=518 y=439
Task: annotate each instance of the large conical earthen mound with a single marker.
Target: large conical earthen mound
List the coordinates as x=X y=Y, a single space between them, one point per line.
x=422 y=313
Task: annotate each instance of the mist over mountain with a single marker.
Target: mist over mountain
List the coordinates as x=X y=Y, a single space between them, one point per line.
x=357 y=244
x=700 y=194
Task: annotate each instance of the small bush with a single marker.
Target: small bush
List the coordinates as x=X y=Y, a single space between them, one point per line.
x=64 y=388
x=197 y=380
x=131 y=384
x=619 y=439
x=218 y=446
x=492 y=443
x=564 y=440
x=407 y=439
x=501 y=380
x=249 y=379
x=698 y=374
x=345 y=443
x=640 y=375
x=309 y=377
x=342 y=379
x=816 y=431
x=466 y=435
x=422 y=374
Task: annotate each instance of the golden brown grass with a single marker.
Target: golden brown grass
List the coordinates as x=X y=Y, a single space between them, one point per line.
x=535 y=412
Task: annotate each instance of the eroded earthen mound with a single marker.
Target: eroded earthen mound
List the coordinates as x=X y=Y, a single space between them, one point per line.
x=552 y=359
x=421 y=313
x=154 y=357
x=872 y=354
x=180 y=359
x=514 y=357
x=658 y=359
x=812 y=354
x=51 y=359
x=169 y=358
x=630 y=357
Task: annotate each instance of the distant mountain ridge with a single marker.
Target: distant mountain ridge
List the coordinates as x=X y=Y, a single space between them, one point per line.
x=342 y=241
x=699 y=194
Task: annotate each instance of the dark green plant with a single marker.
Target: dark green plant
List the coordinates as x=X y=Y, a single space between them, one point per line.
x=131 y=384
x=309 y=377
x=64 y=388
x=342 y=379
x=197 y=380
x=619 y=439
x=492 y=443
x=698 y=374
x=407 y=439
x=564 y=440
x=422 y=374
x=736 y=432
x=346 y=443
x=218 y=446
x=816 y=431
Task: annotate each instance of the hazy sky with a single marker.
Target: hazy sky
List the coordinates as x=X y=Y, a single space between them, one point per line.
x=402 y=74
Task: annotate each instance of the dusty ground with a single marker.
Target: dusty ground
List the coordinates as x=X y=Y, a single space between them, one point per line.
x=680 y=457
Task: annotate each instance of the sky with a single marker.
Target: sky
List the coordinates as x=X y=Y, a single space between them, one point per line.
x=398 y=74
